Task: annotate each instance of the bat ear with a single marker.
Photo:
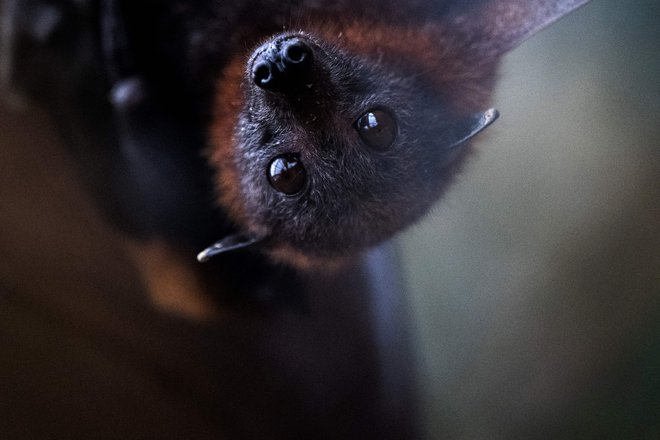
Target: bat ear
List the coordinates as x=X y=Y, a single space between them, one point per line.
x=501 y=25
x=230 y=243
x=466 y=128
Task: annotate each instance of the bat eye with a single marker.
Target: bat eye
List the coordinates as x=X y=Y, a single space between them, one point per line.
x=377 y=129
x=287 y=174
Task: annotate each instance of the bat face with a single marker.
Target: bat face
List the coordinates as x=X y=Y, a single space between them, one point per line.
x=330 y=147
x=331 y=139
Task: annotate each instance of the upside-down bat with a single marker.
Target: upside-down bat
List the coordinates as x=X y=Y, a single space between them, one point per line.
x=331 y=136
x=309 y=130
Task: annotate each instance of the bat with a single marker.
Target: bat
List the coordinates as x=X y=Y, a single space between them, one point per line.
x=307 y=130
x=340 y=131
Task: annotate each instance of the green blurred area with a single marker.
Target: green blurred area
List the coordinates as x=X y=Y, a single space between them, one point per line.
x=535 y=284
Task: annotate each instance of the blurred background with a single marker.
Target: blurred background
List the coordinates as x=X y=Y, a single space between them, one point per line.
x=535 y=284
x=532 y=291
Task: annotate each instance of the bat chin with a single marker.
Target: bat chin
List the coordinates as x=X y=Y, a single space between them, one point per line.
x=299 y=259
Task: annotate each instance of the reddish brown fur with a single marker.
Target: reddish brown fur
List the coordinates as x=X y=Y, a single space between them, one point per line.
x=437 y=53
x=229 y=100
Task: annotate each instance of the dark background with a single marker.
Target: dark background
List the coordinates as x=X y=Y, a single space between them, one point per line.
x=534 y=286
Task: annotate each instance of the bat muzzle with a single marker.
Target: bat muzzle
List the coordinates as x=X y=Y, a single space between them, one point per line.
x=283 y=64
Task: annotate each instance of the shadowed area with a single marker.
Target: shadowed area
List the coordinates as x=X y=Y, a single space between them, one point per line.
x=85 y=355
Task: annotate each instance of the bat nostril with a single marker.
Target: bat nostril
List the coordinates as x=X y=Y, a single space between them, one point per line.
x=296 y=52
x=262 y=74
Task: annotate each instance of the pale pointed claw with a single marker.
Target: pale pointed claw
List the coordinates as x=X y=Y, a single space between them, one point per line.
x=229 y=243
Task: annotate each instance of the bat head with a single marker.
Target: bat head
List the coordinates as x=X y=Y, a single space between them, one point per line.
x=327 y=141
x=334 y=150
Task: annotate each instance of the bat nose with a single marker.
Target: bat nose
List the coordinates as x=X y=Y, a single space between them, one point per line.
x=283 y=64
